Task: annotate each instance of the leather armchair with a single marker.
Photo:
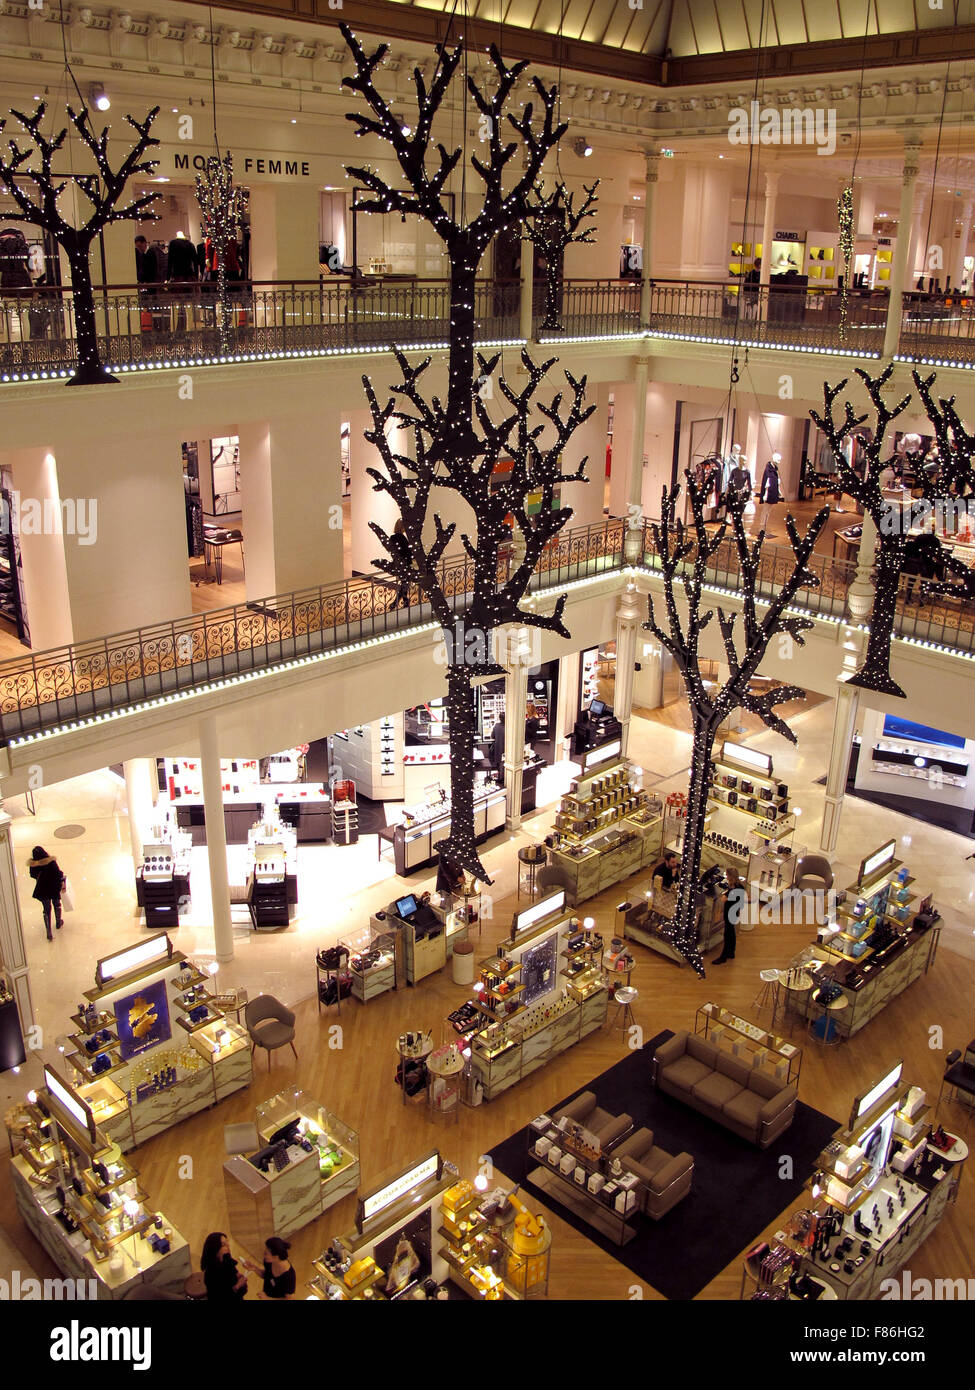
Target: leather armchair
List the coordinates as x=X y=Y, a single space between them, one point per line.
x=665 y=1178
x=608 y=1129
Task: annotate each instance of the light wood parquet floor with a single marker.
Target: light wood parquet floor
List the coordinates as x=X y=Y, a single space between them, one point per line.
x=356 y=1081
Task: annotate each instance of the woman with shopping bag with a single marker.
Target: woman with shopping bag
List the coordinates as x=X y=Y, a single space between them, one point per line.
x=49 y=884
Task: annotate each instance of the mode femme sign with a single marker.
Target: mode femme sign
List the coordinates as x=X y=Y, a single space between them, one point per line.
x=251 y=164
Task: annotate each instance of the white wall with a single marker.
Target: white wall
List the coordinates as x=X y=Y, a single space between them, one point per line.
x=872 y=732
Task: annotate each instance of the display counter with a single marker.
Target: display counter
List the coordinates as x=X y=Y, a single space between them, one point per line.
x=427 y=943
x=541 y=993
x=309 y=1160
x=415 y=839
x=84 y=1203
x=606 y=829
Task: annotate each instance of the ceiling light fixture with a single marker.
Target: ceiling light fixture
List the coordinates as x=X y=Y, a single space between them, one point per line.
x=98 y=97
x=582 y=147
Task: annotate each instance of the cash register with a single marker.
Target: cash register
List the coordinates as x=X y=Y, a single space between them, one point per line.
x=420 y=916
x=597 y=725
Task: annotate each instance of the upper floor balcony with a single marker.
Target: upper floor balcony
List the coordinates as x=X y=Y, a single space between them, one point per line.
x=145 y=328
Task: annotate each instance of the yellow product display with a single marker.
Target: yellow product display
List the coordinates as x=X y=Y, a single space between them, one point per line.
x=361 y=1270
x=459 y=1195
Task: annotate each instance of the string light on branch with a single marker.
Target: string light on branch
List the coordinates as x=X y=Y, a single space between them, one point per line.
x=222 y=208
x=847 y=240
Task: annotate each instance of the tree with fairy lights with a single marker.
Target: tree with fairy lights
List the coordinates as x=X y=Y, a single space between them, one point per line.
x=949 y=491
x=553 y=223
x=222 y=206
x=685 y=551
x=29 y=177
x=860 y=478
x=456 y=444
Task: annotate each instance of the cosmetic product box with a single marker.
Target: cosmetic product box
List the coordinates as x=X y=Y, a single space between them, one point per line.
x=541 y=1123
x=542 y=1146
x=553 y=1155
x=596 y=1182
x=625 y=1201
x=567 y=1163
x=629 y=1181
x=580 y=1176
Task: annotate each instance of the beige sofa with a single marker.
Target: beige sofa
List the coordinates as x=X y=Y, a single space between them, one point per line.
x=664 y=1179
x=751 y=1104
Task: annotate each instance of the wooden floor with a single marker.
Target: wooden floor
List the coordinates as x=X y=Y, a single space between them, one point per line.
x=348 y=1062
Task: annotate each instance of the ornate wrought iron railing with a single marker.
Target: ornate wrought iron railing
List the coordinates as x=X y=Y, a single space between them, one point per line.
x=44 y=690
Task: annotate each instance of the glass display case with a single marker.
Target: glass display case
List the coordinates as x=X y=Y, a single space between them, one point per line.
x=337 y=1144
x=372 y=961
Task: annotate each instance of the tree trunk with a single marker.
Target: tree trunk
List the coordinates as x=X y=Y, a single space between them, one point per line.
x=458 y=441
x=89 y=371
x=552 y=321
x=223 y=303
x=459 y=845
x=684 y=932
x=874 y=674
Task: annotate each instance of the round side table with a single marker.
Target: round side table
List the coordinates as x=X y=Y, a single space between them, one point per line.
x=823 y=1028
x=530 y=859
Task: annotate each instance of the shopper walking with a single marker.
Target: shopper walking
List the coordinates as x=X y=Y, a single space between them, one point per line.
x=48 y=886
x=731 y=908
x=280 y=1280
x=401 y=547
x=225 y=1282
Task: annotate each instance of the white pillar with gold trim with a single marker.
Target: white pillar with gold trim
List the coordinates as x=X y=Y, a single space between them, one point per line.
x=844 y=725
x=13 y=949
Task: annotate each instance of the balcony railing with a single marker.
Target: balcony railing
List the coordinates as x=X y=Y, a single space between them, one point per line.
x=153 y=327
x=45 y=690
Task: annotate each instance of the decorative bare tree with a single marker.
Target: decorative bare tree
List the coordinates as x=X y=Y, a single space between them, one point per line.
x=553 y=223
x=864 y=487
x=222 y=206
x=103 y=189
x=412 y=480
x=685 y=550
x=456 y=443
x=466 y=243
x=950 y=490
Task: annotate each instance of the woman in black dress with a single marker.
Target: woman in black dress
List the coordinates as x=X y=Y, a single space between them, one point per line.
x=225 y=1282
x=280 y=1280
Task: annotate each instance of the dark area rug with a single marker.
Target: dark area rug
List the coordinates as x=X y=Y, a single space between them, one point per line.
x=738 y=1189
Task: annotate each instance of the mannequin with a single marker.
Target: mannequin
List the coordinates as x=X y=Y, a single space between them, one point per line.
x=740 y=479
x=770 y=493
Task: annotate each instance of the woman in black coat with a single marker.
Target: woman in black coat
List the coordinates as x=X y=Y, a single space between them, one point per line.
x=48 y=886
x=225 y=1282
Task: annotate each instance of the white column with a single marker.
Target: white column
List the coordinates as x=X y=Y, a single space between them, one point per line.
x=13 y=951
x=633 y=543
x=648 y=682
x=140 y=778
x=628 y=618
x=844 y=725
x=515 y=691
x=649 y=197
x=899 y=265
x=860 y=596
x=768 y=225
x=527 y=288
x=958 y=260
x=223 y=932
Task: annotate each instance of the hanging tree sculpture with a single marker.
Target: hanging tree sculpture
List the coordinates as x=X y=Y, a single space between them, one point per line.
x=865 y=489
x=554 y=222
x=222 y=205
x=29 y=177
x=950 y=492
x=456 y=443
x=685 y=550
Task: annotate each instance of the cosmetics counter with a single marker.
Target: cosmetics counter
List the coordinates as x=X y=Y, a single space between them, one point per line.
x=247 y=800
x=878 y=945
x=307 y=1161
x=542 y=992
x=415 y=838
x=607 y=828
x=162 y=880
x=149 y=1047
x=272 y=879
x=881 y=1188
x=84 y=1203
x=750 y=826
x=425 y=934
x=898 y=758
x=425 y=1232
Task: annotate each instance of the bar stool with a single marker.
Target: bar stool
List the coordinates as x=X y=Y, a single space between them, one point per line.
x=768 y=996
x=625 y=996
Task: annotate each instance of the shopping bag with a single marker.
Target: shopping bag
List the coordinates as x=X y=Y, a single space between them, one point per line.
x=67 y=898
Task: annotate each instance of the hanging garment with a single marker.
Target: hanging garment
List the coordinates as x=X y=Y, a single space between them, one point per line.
x=770 y=490
x=825 y=459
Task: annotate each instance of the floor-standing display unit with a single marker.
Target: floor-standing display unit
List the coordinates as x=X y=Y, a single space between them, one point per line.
x=750 y=826
x=423 y=828
x=308 y=1161
x=876 y=946
x=538 y=995
x=150 y=1047
x=84 y=1203
x=607 y=828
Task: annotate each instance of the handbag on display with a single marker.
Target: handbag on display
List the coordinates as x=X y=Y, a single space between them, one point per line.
x=333 y=957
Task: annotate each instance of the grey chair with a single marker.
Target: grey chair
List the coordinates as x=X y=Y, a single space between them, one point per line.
x=813 y=871
x=270 y=1025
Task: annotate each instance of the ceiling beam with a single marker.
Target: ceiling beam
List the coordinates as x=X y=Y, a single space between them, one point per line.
x=411 y=24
